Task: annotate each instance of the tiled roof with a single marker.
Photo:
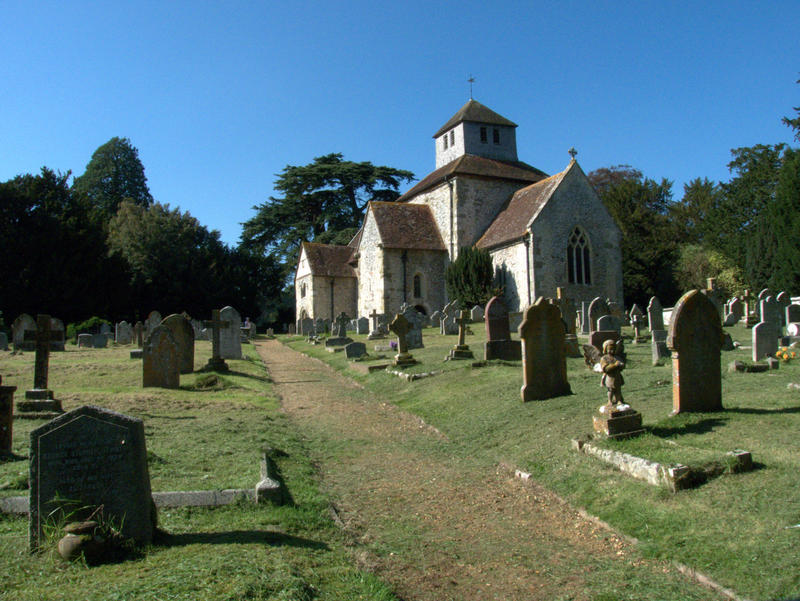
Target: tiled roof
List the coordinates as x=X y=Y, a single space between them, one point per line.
x=329 y=259
x=357 y=238
x=512 y=222
x=403 y=225
x=476 y=112
x=470 y=164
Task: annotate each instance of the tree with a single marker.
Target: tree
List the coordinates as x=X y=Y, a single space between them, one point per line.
x=641 y=207
x=691 y=216
x=794 y=123
x=469 y=278
x=319 y=201
x=114 y=174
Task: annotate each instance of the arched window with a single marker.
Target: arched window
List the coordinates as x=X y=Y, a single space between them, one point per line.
x=417 y=286
x=579 y=268
x=303 y=290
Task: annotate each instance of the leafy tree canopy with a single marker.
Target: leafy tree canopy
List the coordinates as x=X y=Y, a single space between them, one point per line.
x=114 y=174
x=318 y=201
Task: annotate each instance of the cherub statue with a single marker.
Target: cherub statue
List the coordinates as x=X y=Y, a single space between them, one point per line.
x=612 y=367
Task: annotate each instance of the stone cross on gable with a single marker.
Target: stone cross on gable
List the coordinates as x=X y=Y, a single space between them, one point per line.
x=216 y=324
x=42 y=336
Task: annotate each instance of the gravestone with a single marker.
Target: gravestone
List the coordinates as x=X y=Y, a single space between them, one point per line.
x=586 y=324
x=3 y=341
x=736 y=308
x=567 y=309
x=91 y=457
x=749 y=318
x=659 y=346
x=6 y=417
x=608 y=322
x=544 y=363
x=99 y=340
x=160 y=366
x=714 y=295
x=40 y=398
x=138 y=333
x=58 y=336
x=151 y=323
x=123 y=333
x=792 y=314
x=461 y=349
x=598 y=337
x=291 y=330
x=362 y=325
x=375 y=333
x=354 y=350
x=448 y=325
x=22 y=324
x=105 y=328
x=306 y=326
x=230 y=340
x=320 y=326
x=183 y=334
x=498 y=333
x=655 y=314
x=695 y=339
x=597 y=308
x=216 y=362
x=84 y=340
x=436 y=318
x=765 y=341
x=400 y=327
x=637 y=321
x=339 y=336
x=783 y=301
x=476 y=314
x=771 y=314
x=615 y=309
x=414 y=335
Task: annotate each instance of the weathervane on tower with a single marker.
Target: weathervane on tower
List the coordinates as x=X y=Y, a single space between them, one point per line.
x=471 y=80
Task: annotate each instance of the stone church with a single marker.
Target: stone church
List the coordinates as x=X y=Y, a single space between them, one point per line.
x=541 y=232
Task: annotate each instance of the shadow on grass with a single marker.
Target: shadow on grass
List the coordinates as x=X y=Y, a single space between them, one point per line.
x=237 y=537
x=754 y=411
x=704 y=426
x=8 y=456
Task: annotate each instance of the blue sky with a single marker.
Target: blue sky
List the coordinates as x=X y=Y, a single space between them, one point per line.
x=219 y=97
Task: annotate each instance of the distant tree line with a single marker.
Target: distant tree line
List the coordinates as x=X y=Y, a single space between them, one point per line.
x=102 y=246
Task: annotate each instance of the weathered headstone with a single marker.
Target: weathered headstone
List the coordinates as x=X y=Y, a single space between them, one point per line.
x=765 y=340
x=305 y=326
x=586 y=323
x=292 y=330
x=736 y=308
x=617 y=310
x=598 y=337
x=354 y=350
x=160 y=366
x=183 y=334
x=770 y=312
x=6 y=417
x=714 y=295
x=461 y=349
x=230 y=340
x=608 y=322
x=400 y=327
x=792 y=314
x=362 y=325
x=151 y=323
x=375 y=332
x=655 y=314
x=85 y=340
x=567 y=310
x=749 y=318
x=123 y=333
x=87 y=459
x=339 y=337
x=637 y=321
x=99 y=340
x=414 y=335
x=597 y=308
x=216 y=362
x=659 y=346
x=436 y=318
x=476 y=314
x=498 y=333
x=449 y=327
x=41 y=397
x=544 y=363
x=23 y=323
x=695 y=339
x=784 y=300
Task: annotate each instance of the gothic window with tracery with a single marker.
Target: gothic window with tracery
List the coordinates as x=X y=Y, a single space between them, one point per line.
x=579 y=269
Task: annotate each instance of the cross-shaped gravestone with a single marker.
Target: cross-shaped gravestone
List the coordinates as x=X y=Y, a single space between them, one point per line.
x=216 y=363
x=375 y=332
x=42 y=336
x=461 y=350
x=341 y=325
x=748 y=298
x=401 y=328
x=374 y=317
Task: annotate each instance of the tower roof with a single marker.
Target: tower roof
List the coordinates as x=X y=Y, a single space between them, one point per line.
x=476 y=112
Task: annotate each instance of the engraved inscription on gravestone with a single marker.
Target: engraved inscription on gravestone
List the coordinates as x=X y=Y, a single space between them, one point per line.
x=91 y=457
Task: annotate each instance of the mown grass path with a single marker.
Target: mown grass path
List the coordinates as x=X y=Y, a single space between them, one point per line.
x=436 y=524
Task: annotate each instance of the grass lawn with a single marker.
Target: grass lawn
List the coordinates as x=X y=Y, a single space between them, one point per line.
x=738 y=528
x=203 y=436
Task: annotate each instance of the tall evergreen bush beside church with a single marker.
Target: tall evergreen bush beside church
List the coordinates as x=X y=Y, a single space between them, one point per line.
x=469 y=277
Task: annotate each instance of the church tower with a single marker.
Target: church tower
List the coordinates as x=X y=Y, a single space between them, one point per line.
x=476 y=129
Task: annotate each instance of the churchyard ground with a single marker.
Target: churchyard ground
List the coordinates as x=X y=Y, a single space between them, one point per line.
x=740 y=529
x=203 y=436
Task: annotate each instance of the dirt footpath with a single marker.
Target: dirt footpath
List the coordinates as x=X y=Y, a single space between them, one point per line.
x=438 y=526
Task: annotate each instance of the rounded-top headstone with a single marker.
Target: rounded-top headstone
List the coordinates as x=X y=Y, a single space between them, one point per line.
x=230 y=338
x=160 y=364
x=183 y=333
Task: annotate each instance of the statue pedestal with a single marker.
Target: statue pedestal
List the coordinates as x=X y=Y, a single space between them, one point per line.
x=616 y=423
x=216 y=364
x=461 y=351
